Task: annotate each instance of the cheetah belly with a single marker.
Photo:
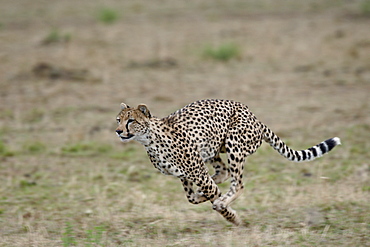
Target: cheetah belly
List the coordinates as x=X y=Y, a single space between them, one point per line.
x=207 y=152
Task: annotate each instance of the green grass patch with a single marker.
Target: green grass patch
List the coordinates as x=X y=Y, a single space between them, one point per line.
x=91 y=237
x=25 y=183
x=94 y=236
x=86 y=149
x=223 y=52
x=69 y=237
x=93 y=148
x=5 y=151
x=365 y=8
x=55 y=36
x=108 y=15
x=125 y=153
x=34 y=148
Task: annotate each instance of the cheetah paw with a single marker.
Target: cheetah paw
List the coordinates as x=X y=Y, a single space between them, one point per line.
x=219 y=204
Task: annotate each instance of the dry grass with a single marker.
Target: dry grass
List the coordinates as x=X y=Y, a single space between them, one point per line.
x=66 y=180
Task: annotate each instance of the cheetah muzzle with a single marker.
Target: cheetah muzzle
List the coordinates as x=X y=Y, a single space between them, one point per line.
x=181 y=143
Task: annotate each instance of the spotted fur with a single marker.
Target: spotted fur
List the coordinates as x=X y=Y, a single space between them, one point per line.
x=181 y=143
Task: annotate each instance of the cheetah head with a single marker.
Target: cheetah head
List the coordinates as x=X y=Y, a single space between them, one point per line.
x=133 y=123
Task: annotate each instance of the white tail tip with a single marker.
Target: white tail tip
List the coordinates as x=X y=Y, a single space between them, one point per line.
x=337 y=140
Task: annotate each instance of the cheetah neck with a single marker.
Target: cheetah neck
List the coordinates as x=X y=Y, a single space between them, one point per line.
x=143 y=140
x=150 y=136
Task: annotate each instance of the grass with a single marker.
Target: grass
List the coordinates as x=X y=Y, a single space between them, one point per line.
x=108 y=15
x=34 y=148
x=100 y=202
x=85 y=148
x=55 y=36
x=92 y=237
x=365 y=7
x=69 y=238
x=4 y=150
x=67 y=180
x=223 y=52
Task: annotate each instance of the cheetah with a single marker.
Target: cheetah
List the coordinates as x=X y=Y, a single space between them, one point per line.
x=181 y=143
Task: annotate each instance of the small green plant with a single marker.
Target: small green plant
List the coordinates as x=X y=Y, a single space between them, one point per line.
x=365 y=7
x=25 y=184
x=68 y=237
x=34 y=148
x=94 y=236
x=224 y=52
x=107 y=15
x=4 y=150
x=56 y=37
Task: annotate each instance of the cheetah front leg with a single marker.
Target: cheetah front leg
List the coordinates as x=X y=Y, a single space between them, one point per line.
x=221 y=171
x=193 y=197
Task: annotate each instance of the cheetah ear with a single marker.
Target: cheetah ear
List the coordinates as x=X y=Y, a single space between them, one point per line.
x=144 y=109
x=124 y=106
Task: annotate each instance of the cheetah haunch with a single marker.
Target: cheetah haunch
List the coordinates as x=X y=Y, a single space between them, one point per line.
x=183 y=142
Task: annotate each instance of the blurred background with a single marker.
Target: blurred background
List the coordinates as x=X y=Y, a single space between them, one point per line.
x=303 y=68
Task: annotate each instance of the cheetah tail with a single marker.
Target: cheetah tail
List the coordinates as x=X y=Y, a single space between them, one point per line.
x=303 y=155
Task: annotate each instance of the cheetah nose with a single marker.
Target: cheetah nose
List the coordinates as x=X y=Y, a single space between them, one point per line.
x=119 y=132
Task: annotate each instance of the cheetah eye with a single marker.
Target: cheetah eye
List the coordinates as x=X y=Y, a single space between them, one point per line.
x=118 y=120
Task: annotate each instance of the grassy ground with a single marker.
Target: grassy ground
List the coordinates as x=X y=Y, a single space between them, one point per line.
x=303 y=67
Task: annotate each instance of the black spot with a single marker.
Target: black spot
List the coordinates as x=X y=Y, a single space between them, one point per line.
x=331 y=143
x=218 y=159
x=322 y=147
x=232 y=156
x=297 y=155
x=304 y=155
x=313 y=150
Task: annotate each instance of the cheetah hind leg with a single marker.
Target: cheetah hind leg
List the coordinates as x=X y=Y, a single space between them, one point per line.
x=221 y=171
